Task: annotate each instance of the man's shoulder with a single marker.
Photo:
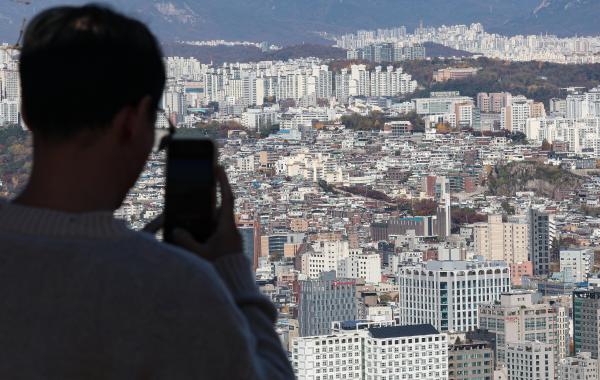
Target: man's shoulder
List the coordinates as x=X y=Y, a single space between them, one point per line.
x=148 y=248
x=152 y=258
x=162 y=278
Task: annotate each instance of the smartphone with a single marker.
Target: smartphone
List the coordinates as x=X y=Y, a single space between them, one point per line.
x=191 y=188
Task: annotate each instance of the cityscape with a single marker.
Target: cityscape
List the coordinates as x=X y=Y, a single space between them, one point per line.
x=474 y=39
x=408 y=216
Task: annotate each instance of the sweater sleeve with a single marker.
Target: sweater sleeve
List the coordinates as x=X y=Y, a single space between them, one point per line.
x=221 y=327
x=269 y=361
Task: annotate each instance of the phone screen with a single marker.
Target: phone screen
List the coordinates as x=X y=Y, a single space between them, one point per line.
x=190 y=194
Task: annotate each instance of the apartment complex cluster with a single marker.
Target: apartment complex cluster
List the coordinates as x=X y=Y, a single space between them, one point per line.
x=474 y=39
x=233 y=88
x=388 y=52
x=251 y=94
x=573 y=124
x=264 y=46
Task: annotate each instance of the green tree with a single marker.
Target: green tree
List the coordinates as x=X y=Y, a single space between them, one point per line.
x=510 y=210
x=518 y=138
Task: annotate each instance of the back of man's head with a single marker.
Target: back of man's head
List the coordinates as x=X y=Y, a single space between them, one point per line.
x=80 y=66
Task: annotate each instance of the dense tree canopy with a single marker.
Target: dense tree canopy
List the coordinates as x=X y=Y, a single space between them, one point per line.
x=376 y=120
x=540 y=81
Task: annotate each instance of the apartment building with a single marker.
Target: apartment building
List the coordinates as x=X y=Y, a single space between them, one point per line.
x=387 y=53
x=498 y=240
x=493 y=102
x=337 y=256
x=514 y=117
x=365 y=266
x=469 y=359
x=580 y=367
x=576 y=264
x=323 y=301
x=518 y=317
x=586 y=314
x=447 y=294
x=541 y=233
x=373 y=351
x=530 y=360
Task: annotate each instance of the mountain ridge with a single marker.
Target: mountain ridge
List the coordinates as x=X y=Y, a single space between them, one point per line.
x=293 y=22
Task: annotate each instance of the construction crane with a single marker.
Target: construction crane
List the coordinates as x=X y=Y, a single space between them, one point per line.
x=17 y=45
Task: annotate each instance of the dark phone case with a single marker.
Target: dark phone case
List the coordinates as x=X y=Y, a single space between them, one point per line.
x=185 y=208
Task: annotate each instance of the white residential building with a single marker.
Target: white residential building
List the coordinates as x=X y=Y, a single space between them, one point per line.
x=358 y=81
x=580 y=367
x=255 y=118
x=246 y=163
x=325 y=257
x=412 y=352
x=464 y=114
x=373 y=351
x=311 y=166
x=327 y=356
x=365 y=266
x=10 y=112
x=337 y=256
x=10 y=83
x=530 y=360
x=447 y=294
x=174 y=105
x=579 y=135
x=576 y=264
x=580 y=106
x=514 y=116
x=184 y=68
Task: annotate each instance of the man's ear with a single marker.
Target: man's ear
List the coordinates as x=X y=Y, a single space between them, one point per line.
x=145 y=110
x=25 y=117
x=130 y=121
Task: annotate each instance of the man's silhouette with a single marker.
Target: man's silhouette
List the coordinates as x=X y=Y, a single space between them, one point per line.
x=81 y=295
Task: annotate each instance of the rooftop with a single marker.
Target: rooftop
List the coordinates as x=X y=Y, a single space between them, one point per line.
x=402 y=331
x=456 y=265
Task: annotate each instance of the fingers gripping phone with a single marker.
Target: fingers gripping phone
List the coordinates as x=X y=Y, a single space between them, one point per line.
x=191 y=188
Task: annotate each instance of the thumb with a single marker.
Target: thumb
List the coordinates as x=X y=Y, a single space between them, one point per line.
x=185 y=240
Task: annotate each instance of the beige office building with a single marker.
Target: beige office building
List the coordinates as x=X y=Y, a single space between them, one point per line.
x=518 y=317
x=498 y=240
x=530 y=360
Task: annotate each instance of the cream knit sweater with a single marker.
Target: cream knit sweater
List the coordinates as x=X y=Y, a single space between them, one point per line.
x=84 y=297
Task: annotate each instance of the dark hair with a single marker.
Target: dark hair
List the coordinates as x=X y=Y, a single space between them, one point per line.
x=80 y=65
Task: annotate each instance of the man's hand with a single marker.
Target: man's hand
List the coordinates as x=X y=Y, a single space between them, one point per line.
x=226 y=239
x=155 y=225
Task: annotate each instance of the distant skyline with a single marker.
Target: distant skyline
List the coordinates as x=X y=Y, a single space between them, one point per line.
x=286 y=23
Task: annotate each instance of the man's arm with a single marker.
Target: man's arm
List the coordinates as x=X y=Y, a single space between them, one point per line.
x=270 y=360
x=218 y=326
x=248 y=331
